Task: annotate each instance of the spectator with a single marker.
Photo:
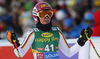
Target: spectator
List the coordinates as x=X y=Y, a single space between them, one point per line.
x=88 y=19
x=68 y=28
x=60 y=16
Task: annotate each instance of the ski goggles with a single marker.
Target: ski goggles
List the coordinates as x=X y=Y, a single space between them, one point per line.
x=44 y=13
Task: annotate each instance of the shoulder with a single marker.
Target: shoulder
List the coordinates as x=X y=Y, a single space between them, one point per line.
x=36 y=30
x=59 y=29
x=30 y=31
x=60 y=32
x=54 y=28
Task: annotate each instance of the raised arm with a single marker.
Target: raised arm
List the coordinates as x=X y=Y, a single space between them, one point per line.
x=25 y=45
x=64 y=47
x=70 y=51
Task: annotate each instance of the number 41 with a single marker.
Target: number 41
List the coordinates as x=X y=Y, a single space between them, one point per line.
x=48 y=49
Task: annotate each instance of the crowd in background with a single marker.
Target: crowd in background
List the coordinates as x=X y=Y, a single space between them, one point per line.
x=71 y=16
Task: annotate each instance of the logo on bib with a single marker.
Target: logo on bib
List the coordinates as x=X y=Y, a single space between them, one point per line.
x=47 y=34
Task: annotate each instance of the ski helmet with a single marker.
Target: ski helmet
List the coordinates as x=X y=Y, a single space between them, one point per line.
x=38 y=7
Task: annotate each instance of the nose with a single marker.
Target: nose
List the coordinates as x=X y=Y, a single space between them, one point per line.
x=46 y=17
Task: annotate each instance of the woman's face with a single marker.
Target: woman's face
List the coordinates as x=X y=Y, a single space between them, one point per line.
x=45 y=20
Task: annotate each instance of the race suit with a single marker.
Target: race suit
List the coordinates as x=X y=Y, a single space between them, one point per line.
x=46 y=43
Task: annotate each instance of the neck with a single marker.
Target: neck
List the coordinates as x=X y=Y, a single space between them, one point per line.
x=44 y=27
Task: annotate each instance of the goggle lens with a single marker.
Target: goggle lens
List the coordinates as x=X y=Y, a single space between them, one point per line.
x=43 y=13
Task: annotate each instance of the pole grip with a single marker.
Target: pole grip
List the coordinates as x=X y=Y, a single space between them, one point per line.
x=17 y=48
x=15 y=44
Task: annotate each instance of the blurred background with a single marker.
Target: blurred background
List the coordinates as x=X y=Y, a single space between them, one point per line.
x=71 y=16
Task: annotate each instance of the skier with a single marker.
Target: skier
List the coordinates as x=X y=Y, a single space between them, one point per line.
x=44 y=38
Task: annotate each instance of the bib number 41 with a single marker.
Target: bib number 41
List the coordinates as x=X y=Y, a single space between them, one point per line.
x=48 y=49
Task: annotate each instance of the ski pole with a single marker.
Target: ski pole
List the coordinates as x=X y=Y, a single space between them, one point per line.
x=16 y=44
x=92 y=44
x=17 y=48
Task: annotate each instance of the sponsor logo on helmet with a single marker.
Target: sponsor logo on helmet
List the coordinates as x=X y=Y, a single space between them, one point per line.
x=44 y=5
x=34 y=13
x=47 y=34
x=34 y=9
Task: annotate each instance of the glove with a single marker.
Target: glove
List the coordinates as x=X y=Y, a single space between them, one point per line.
x=89 y=31
x=81 y=41
x=11 y=37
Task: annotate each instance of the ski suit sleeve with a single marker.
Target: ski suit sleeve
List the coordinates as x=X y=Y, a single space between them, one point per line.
x=64 y=47
x=26 y=44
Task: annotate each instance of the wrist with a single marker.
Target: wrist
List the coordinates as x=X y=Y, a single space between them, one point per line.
x=17 y=43
x=81 y=41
